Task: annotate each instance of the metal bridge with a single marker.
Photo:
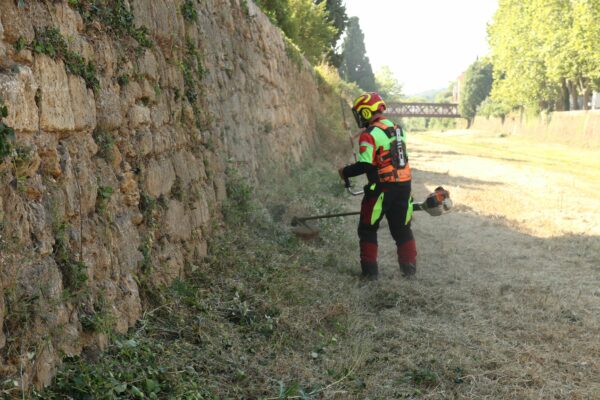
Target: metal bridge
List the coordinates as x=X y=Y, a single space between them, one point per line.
x=432 y=110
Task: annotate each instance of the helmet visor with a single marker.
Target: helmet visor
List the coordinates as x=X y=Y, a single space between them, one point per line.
x=360 y=121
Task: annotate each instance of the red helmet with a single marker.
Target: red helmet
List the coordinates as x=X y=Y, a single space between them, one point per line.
x=365 y=106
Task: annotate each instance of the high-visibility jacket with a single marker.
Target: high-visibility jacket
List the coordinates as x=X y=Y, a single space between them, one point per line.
x=379 y=146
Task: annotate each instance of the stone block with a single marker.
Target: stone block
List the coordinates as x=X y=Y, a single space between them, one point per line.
x=50 y=162
x=55 y=103
x=126 y=244
x=159 y=177
x=149 y=66
x=176 y=222
x=138 y=116
x=15 y=23
x=18 y=91
x=108 y=105
x=84 y=104
x=129 y=188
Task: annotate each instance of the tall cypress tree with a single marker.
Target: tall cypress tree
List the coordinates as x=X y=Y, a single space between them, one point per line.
x=337 y=16
x=355 y=63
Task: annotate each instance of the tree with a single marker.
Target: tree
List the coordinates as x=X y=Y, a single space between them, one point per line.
x=387 y=84
x=310 y=29
x=307 y=25
x=336 y=15
x=477 y=86
x=355 y=63
x=545 y=52
x=277 y=11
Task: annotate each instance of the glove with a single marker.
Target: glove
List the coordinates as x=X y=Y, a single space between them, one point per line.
x=346 y=180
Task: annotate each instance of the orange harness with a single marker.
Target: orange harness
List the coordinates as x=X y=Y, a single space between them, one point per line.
x=392 y=165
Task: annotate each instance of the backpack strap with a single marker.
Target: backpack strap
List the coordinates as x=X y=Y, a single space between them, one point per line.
x=389 y=130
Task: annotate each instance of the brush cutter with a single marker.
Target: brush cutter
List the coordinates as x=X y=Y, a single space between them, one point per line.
x=436 y=204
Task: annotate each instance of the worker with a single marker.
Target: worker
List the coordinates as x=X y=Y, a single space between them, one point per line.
x=383 y=158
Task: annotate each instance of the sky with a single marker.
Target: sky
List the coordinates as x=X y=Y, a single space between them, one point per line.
x=426 y=43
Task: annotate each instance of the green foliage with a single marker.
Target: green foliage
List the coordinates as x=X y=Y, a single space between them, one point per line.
x=123 y=80
x=356 y=66
x=188 y=10
x=239 y=198
x=545 y=52
x=387 y=84
x=336 y=15
x=20 y=44
x=477 y=87
x=424 y=377
x=74 y=271
x=491 y=108
x=105 y=142
x=148 y=207
x=306 y=23
x=98 y=318
x=133 y=372
x=193 y=72
x=103 y=198
x=51 y=42
x=331 y=76
x=116 y=15
x=445 y=96
x=227 y=317
x=310 y=29
x=293 y=51
x=278 y=12
x=7 y=134
x=177 y=189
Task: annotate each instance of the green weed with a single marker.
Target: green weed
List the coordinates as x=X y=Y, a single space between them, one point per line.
x=7 y=134
x=123 y=80
x=20 y=44
x=116 y=15
x=51 y=42
x=105 y=142
x=74 y=271
x=239 y=322
x=103 y=198
x=98 y=317
x=188 y=10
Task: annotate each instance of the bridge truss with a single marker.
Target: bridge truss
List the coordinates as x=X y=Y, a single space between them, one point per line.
x=432 y=110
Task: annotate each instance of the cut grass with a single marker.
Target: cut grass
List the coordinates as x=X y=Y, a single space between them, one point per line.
x=493 y=313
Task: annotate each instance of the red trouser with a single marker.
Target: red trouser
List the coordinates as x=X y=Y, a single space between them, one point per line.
x=395 y=202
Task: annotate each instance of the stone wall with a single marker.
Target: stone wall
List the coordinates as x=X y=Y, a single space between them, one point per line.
x=576 y=128
x=113 y=189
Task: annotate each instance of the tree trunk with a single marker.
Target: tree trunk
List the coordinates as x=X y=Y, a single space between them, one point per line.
x=573 y=93
x=587 y=97
x=563 y=101
x=583 y=88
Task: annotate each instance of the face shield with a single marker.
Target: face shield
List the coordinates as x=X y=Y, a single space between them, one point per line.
x=360 y=121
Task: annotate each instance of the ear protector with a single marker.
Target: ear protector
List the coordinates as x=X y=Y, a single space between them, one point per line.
x=366 y=114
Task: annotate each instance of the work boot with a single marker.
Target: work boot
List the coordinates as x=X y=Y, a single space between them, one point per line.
x=408 y=270
x=370 y=270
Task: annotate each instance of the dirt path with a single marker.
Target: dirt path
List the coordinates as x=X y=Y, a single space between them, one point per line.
x=507 y=299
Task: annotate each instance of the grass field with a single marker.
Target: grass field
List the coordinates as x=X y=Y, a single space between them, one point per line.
x=506 y=303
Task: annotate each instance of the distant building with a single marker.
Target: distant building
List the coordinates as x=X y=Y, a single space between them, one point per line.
x=457 y=91
x=595 y=101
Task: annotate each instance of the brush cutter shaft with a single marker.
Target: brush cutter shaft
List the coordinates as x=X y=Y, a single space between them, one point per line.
x=297 y=220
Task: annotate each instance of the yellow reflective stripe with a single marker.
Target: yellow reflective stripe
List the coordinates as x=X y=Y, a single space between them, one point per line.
x=409 y=211
x=365 y=144
x=377 y=208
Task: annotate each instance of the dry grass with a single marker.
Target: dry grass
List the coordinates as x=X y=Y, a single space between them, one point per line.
x=506 y=302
